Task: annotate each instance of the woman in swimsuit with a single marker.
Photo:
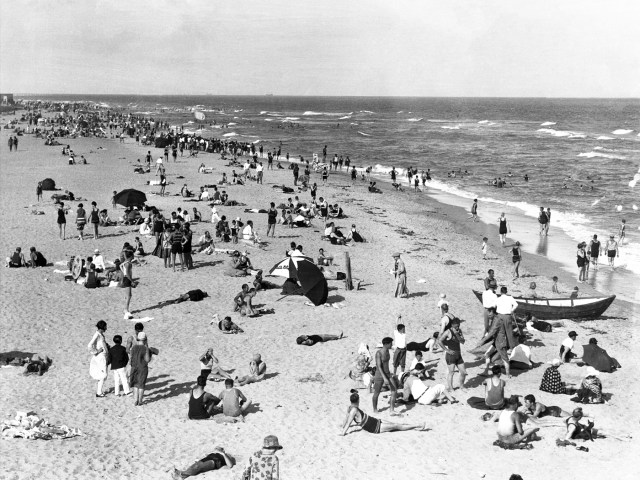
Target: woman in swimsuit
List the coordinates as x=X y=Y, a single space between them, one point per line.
x=62 y=221
x=503 y=228
x=516 y=257
x=371 y=424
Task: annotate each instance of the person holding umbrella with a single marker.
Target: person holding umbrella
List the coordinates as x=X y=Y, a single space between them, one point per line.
x=400 y=272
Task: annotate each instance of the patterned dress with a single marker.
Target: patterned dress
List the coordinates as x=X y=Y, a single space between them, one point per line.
x=590 y=390
x=262 y=467
x=552 y=381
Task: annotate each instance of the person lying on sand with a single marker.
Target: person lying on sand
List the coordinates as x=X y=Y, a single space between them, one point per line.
x=257 y=371
x=202 y=405
x=37 y=364
x=228 y=327
x=193 y=295
x=310 y=340
x=534 y=409
x=234 y=403
x=214 y=461
x=415 y=390
x=510 y=431
x=369 y=424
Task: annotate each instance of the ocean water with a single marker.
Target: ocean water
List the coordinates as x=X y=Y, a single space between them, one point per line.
x=582 y=156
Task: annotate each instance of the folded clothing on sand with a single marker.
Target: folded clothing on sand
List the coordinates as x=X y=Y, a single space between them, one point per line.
x=29 y=425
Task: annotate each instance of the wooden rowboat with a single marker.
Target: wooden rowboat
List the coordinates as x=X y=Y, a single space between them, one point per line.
x=558 y=308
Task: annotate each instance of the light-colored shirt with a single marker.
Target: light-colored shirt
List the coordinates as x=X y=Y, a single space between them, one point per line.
x=98 y=261
x=568 y=343
x=400 y=339
x=247 y=232
x=505 y=304
x=489 y=299
x=414 y=386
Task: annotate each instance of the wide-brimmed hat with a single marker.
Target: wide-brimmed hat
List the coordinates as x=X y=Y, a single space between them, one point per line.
x=591 y=372
x=96 y=251
x=271 y=441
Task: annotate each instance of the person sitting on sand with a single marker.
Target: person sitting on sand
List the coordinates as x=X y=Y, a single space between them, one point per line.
x=247 y=308
x=324 y=260
x=105 y=221
x=145 y=228
x=260 y=284
x=494 y=389
x=238 y=300
x=370 y=424
x=92 y=277
x=590 y=390
x=249 y=235
x=205 y=243
x=243 y=263
x=16 y=260
x=310 y=340
x=202 y=405
x=214 y=461
x=414 y=389
x=209 y=367
x=535 y=409
x=184 y=191
x=576 y=430
x=334 y=235
x=510 y=431
x=193 y=295
x=567 y=345
x=36 y=259
x=228 y=327
x=552 y=380
x=355 y=235
x=257 y=371
x=234 y=403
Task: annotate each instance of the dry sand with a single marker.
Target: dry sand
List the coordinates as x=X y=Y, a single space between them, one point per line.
x=42 y=313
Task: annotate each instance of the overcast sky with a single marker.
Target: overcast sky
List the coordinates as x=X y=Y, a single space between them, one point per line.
x=557 y=48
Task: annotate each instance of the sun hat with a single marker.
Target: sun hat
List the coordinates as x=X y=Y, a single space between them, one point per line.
x=591 y=372
x=555 y=362
x=96 y=251
x=271 y=441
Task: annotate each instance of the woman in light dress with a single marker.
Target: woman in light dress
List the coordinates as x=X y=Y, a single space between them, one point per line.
x=100 y=350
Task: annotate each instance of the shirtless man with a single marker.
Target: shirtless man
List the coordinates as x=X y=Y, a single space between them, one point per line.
x=510 y=429
x=612 y=250
x=474 y=210
x=622 y=233
x=257 y=371
x=234 y=403
x=383 y=376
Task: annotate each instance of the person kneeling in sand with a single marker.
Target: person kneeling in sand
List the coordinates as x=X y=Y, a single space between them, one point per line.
x=510 y=431
x=370 y=424
x=257 y=371
x=214 y=461
x=202 y=405
x=234 y=403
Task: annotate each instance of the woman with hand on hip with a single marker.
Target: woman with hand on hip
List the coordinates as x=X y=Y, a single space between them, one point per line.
x=100 y=350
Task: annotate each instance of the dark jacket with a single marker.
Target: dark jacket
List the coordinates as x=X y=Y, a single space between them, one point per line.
x=119 y=357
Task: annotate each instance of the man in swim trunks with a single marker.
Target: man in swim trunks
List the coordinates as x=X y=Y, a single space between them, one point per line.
x=383 y=376
x=534 y=409
x=612 y=250
x=310 y=340
x=372 y=424
x=510 y=429
x=234 y=403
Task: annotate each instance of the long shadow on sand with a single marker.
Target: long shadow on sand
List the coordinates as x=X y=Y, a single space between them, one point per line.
x=211 y=263
x=417 y=294
x=167 y=390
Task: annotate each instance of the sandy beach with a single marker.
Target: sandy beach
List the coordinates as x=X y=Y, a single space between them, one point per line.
x=305 y=396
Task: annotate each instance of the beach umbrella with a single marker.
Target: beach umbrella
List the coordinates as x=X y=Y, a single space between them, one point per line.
x=314 y=285
x=130 y=198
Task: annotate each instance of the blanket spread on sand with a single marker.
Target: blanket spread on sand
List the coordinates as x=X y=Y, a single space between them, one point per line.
x=29 y=425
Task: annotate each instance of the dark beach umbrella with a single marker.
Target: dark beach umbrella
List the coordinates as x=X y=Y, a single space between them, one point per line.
x=48 y=184
x=131 y=198
x=313 y=283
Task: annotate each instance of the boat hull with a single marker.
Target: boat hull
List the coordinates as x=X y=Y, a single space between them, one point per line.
x=559 y=308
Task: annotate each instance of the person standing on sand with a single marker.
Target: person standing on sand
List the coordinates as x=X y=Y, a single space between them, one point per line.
x=474 y=210
x=543 y=220
x=546 y=228
x=100 y=350
x=94 y=217
x=81 y=221
x=272 y=219
x=503 y=228
x=400 y=273
x=621 y=232
x=15 y=143
x=62 y=221
x=594 y=251
x=39 y=191
x=516 y=257
x=127 y=282
x=140 y=358
x=10 y=142
x=383 y=375
x=612 y=250
x=450 y=342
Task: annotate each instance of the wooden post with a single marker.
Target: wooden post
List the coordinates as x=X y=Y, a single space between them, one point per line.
x=347 y=263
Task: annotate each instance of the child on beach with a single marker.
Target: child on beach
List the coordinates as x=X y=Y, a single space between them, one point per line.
x=554 y=287
x=484 y=247
x=400 y=354
x=119 y=359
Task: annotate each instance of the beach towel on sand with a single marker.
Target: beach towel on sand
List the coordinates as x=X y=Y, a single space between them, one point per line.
x=29 y=425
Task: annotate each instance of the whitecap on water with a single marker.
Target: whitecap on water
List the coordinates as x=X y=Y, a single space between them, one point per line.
x=621 y=131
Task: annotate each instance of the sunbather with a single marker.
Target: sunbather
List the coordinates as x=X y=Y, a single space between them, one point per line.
x=257 y=371
x=310 y=340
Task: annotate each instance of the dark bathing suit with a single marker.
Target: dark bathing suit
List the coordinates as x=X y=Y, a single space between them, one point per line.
x=503 y=226
x=197 y=410
x=369 y=424
x=516 y=255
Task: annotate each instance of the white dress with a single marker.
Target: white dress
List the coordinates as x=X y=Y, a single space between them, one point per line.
x=98 y=366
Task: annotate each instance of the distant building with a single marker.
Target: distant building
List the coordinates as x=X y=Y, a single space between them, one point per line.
x=7 y=98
